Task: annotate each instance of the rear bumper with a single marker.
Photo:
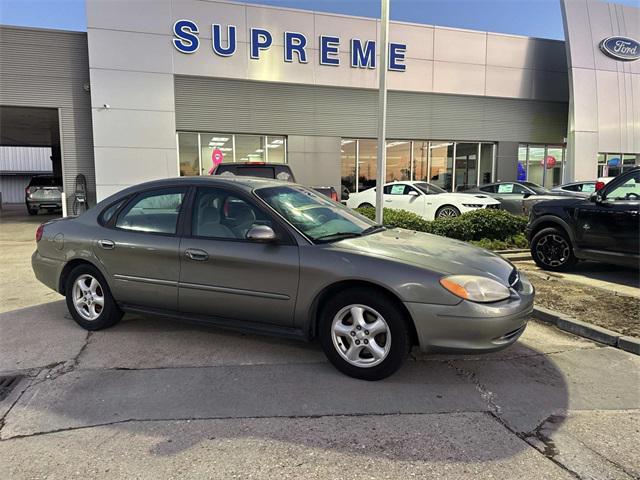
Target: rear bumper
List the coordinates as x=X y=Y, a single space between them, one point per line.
x=46 y=270
x=470 y=327
x=45 y=204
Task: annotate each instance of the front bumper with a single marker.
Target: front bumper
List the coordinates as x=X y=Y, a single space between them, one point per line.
x=470 y=327
x=44 y=204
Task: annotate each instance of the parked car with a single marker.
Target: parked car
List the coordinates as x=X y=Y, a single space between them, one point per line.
x=424 y=199
x=274 y=257
x=511 y=194
x=44 y=192
x=604 y=227
x=276 y=171
x=577 y=189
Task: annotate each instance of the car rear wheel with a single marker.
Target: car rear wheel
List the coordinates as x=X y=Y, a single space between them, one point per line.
x=365 y=205
x=447 y=211
x=364 y=334
x=551 y=249
x=89 y=299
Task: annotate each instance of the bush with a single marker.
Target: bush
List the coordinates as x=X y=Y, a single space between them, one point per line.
x=478 y=225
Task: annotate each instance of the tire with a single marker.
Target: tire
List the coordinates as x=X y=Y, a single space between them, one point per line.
x=98 y=301
x=551 y=249
x=32 y=211
x=447 y=211
x=365 y=205
x=393 y=341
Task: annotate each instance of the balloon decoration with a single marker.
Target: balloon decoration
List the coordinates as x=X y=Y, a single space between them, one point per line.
x=522 y=173
x=549 y=161
x=613 y=162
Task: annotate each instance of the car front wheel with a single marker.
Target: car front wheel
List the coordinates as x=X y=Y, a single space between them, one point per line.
x=89 y=299
x=447 y=211
x=551 y=249
x=364 y=334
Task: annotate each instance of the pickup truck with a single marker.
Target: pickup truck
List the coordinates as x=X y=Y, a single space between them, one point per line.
x=276 y=171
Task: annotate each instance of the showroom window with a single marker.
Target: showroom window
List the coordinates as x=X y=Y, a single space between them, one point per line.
x=541 y=164
x=198 y=153
x=430 y=161
x=612 y=164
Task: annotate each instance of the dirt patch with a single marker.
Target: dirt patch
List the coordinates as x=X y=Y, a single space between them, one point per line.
x=620 y=313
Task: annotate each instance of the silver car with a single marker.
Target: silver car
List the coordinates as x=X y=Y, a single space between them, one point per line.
x=272 y=257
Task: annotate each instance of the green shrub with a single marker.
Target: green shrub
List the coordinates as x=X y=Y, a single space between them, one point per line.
x=478 y=225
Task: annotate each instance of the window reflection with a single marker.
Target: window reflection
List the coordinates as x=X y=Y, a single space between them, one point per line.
x=188 y=154
x=441 y=164
x=466 y=165
x=541 y=164
x=348 y=165
x=367 y=163
x=420 y=161
x=398 y=161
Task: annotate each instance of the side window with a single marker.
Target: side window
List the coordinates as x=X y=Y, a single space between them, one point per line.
x=506 y=188
x=519 y=189
x=489 y=189
x=395 y=189
x=220 y=214
x=629 y=190
x=155 y=212
x=408 y=189
x=108 y=213
x=573 y=188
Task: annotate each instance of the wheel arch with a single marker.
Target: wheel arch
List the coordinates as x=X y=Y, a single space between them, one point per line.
x=547 y=221
x=68 y=268
x=325 y=293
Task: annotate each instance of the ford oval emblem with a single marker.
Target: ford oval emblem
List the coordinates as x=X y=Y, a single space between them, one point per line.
x=621 y=48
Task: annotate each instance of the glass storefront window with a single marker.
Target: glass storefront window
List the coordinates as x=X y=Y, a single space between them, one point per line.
x=249 y=148
x=612 y=164
x=486 y=163
x=522 y=163
x=367 y=163
x=215 y=142
x=398 y=161
x=348 y=165
x=535 y=170
x=466 y=166
x=188 y=154
x=276 y=147
x=554 y=164
x=420 y=161
x=441 y=173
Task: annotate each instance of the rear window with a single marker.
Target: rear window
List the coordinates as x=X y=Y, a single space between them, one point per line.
x=44 y=182
x=279 y=172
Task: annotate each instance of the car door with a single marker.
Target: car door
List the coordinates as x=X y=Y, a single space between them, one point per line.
x=139 y=249
x=225 y=275
x=401 y=196
x=510 y=196
x=611 y=223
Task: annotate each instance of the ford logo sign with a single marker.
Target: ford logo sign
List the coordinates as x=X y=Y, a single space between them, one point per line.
x=621 y=48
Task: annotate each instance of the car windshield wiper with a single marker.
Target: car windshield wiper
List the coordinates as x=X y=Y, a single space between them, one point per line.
x=373 y=229
x=337 y=236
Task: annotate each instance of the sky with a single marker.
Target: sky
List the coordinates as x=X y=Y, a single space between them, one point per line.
x=534 y=18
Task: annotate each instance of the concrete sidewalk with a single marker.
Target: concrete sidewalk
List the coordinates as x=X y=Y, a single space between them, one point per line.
x=152 y=398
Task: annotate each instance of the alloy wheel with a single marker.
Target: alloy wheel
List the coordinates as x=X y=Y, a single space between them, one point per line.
x=447 y=212
x=88 y=297
x=361 y=336
x=553 y=250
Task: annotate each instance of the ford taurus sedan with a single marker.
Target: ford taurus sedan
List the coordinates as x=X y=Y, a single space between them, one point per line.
x=272 y=257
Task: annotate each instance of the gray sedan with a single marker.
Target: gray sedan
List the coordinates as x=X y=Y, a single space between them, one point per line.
x=277 y=258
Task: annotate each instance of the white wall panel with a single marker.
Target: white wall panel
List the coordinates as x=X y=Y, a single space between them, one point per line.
x=509 y=82
x=586 y=108
x=149 y=16
x=140 y=164
x=131 y=90
x=458 y=78
x=204 y=13
x=461 y=46
x=134 y=129
x=277 y=21
x=144 y=52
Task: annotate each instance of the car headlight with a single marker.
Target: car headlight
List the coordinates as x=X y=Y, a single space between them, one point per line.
x=473 y=205
x=475 y=288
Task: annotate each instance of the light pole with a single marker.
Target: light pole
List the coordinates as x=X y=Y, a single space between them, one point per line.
x=382 y=110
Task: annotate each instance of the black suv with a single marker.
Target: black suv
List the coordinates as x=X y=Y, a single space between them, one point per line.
x=604 y=227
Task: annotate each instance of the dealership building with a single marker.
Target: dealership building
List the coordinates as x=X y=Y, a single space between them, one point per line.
x=161 y=88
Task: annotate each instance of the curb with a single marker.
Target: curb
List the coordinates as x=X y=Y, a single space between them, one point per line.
x=586 y=330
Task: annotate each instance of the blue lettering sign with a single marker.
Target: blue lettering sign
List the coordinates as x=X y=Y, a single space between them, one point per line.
x=295 y=42
x=329 y=50
x=260 y=40
x=187 y=40
x=396 y=55
x=363 y=57
x=216 y=40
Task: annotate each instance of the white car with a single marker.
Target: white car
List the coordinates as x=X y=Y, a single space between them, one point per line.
x=424 y=199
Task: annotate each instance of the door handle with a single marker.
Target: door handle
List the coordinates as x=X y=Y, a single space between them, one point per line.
x=388 y=201
x=107 y=244
x=197 y=255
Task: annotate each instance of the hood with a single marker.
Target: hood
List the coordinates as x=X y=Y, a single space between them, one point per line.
x=477 y=198
x=438 y=254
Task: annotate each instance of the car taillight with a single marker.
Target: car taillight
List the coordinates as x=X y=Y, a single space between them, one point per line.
x=599 y=186
x=39 y=232
x=334 y=195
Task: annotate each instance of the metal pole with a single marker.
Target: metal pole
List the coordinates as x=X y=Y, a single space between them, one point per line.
x=382 y=110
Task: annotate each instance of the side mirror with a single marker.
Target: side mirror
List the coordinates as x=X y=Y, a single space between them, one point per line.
x=413 y=193
x=261 y=233
x=596 y=197
x=526 y=195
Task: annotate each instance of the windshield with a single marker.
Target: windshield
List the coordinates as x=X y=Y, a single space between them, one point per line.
x=316 y=216
x=429 y=188
x=536 y=188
